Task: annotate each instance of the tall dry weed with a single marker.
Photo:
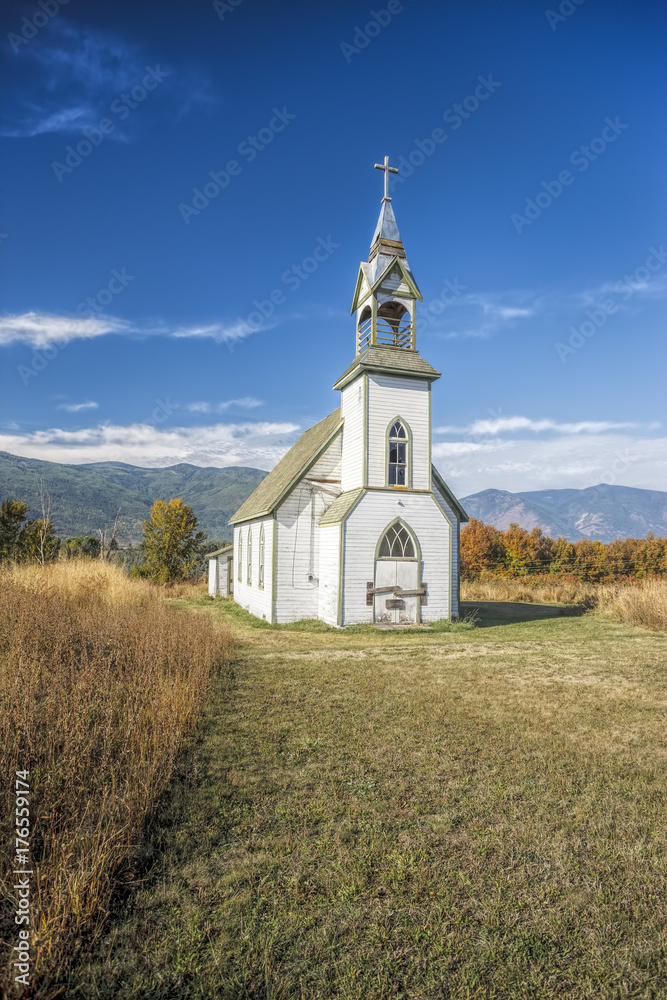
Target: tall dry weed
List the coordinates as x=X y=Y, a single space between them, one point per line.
x=100 y=681
x=530 y=590
x=643 y=603
x=637 y=602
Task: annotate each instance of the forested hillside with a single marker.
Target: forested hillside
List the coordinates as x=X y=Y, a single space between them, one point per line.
x=87 y=497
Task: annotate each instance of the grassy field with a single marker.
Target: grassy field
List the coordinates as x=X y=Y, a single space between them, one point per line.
x=477 y=813
x=101 y=681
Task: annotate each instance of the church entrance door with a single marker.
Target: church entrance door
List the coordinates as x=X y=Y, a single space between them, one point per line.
x=396 y=567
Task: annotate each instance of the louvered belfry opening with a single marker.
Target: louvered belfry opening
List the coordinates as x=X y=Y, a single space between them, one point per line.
x=394 y=325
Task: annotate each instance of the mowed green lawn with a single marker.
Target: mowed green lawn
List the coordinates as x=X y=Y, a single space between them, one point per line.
x=373 y=814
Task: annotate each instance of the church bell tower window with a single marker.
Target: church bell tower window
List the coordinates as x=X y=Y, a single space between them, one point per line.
x=398 y=446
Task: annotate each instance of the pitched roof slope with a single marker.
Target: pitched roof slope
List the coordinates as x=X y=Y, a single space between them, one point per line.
x=272 y=490
x=448 y=495
x=390 y=361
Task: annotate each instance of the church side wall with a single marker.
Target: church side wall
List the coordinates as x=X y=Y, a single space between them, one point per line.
x=255 y=599
x=352 y=405
x=363 y=529
x=329 y=573
x=410 y=399
x=298 y=538
x=456 y=548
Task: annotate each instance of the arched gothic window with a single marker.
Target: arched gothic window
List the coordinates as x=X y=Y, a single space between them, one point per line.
x=397 y=543
x=397 y=445
x=260 y=573
x=249 y=573
x=239 y=572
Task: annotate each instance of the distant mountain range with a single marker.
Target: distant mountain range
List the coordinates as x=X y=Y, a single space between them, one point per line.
x=600 y=512
x=87 y=497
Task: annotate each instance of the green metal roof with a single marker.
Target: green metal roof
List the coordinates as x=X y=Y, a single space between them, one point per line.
x=389 y=361
x=278 y=484
x=341 y=507
x=448 y=495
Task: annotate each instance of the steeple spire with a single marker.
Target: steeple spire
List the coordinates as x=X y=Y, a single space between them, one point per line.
x=386 y=293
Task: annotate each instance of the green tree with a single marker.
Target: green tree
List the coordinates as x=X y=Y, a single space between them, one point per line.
x=86 y=546
x=38 y=541
x=170 y=544
x=12 y=515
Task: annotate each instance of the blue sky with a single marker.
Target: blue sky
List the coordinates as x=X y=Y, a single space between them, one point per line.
x=137 y=322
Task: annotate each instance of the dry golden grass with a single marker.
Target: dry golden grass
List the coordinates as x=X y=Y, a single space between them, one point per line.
x=530 y=590
x=100 y=681
x=643 y=603
x=637 y=602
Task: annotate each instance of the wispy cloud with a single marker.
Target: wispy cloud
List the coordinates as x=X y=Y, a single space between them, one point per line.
x=629 y=287
x=256 y=445
x=78 y=407
x=501 y=425
x=245 y=403
x=68 y=76
x=39 y=330
x=483 y=315
x=220 y=332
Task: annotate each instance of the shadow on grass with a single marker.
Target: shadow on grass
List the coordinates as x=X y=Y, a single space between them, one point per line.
x=489 y=614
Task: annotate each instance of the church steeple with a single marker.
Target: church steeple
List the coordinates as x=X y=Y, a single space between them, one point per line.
x=386 y=294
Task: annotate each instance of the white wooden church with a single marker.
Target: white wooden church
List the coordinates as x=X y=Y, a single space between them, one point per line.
x=355 y=524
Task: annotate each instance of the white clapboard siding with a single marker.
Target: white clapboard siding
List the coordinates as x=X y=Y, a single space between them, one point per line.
x=389 y=398
x=297 y=521
x=218 y=579
x=456 y=544
x=255 y=599
x=352 y=410
x=329 y=567
x=363 y=529
x=213 y=578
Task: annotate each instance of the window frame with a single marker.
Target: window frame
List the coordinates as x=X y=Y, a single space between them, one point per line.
x=248 y=575
x=407 y=442
x=260 y=569
x=239 y=573
x=398 y=522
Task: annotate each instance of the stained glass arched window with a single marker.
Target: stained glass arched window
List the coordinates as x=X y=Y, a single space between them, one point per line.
x=249 y=573
x=397 y=543
x=397 y=444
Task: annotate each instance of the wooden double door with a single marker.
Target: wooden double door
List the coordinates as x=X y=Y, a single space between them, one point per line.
x=396 y=609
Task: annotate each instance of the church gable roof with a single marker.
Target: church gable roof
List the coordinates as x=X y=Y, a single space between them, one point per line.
x=341 y=507
x=281 y=480
x=372 y=275
x=448 y=495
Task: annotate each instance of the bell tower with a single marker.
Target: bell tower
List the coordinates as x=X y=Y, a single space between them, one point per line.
x=386 y=293
x=386 y=391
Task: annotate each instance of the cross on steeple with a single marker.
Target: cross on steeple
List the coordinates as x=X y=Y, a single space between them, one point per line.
x=387 y=170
